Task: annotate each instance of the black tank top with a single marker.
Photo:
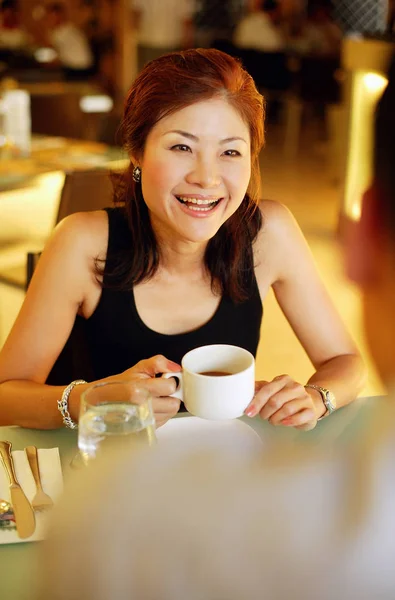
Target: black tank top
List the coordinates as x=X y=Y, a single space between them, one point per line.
x=118 y=338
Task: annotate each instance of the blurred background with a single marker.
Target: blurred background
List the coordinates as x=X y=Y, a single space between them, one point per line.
x=65 y=68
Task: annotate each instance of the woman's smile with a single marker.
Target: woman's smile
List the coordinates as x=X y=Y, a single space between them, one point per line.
x=199 y=206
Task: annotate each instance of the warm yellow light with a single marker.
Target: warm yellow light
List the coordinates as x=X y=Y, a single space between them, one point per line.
x=367 y=89
x=375 y=83
x=356 y=211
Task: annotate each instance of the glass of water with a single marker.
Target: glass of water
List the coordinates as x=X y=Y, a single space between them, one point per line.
x=114 y=413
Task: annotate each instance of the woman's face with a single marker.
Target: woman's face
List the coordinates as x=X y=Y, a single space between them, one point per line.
x=195 y=170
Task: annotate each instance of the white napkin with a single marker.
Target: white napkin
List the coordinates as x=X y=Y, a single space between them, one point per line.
x=52 y=483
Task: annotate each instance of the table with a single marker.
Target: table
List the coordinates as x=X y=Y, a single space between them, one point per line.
x=18 y=561
x=50 y=154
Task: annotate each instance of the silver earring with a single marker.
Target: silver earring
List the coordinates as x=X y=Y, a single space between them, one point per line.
x=137 y=174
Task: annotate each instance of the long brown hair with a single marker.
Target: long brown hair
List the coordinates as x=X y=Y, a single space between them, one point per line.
x=163 y=87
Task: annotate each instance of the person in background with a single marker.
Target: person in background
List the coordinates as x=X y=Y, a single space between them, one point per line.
x=162 y=27
x=185 y=259
x=69 y=42
x=88 y=21
x=12 y=35
x=307 y=521
x=322 y=35
x=260 y=29
x=215 y=21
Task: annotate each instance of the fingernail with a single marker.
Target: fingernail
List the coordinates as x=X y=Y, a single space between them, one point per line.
x=287 y=421
x=250 y=412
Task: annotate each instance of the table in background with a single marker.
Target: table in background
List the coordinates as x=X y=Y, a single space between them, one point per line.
x=52 y=154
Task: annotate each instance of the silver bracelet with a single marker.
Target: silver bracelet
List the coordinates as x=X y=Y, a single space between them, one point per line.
x=63 y=404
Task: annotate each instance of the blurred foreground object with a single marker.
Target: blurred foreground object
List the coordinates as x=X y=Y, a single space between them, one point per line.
x=216 y=523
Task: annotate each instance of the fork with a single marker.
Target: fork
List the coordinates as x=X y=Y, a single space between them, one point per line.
x=41 y=500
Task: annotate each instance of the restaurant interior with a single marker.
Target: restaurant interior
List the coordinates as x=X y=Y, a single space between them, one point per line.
x=321 y=69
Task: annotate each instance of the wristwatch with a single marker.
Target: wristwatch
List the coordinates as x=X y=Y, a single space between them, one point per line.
x=328 y=399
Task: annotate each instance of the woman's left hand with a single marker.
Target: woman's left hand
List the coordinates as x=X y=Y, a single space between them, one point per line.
x=283 y=401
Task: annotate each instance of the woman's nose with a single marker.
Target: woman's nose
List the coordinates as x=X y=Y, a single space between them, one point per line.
x=205 y=174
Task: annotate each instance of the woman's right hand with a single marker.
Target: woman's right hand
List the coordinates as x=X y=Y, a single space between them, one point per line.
x=145 y=371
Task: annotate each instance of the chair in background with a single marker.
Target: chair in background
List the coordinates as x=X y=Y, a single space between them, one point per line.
x=84 y=191
x=69 y=112
x=31 y=263
x=109 y=129
x=57 y=114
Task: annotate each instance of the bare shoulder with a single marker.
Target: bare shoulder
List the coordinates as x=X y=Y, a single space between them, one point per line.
x=278 y=225
x=277 y=218
x=84 y=231
x=280 y=242
x=71 y=252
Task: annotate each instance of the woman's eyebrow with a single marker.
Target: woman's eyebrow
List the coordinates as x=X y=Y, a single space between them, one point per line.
x=233 y=139
x=190 y=136
x=194 y=138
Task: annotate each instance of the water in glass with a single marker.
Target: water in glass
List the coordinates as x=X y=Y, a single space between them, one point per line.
x=106 y=424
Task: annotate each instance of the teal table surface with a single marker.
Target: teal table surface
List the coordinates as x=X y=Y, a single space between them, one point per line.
x=18 y=562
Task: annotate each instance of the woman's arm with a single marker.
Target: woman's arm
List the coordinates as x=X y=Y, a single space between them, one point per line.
x=283 y=255
x=63 y=285
x=56 y=293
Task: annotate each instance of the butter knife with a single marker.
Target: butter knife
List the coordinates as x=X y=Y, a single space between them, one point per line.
x=24 y=514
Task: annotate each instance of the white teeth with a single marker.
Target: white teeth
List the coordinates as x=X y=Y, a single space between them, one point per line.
x=197 y=200
x=199 y=209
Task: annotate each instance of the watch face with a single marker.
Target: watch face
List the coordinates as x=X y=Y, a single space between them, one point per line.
x=331 y=400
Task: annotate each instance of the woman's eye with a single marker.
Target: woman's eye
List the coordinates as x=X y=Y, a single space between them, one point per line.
x=181 y=147
x=232 y=153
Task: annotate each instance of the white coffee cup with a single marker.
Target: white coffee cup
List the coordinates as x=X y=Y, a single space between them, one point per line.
x=213 y=396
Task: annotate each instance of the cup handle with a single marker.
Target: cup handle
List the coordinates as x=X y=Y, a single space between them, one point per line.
x=178 y=376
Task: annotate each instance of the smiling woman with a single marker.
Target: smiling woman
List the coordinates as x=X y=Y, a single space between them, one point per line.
x=185 y=259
